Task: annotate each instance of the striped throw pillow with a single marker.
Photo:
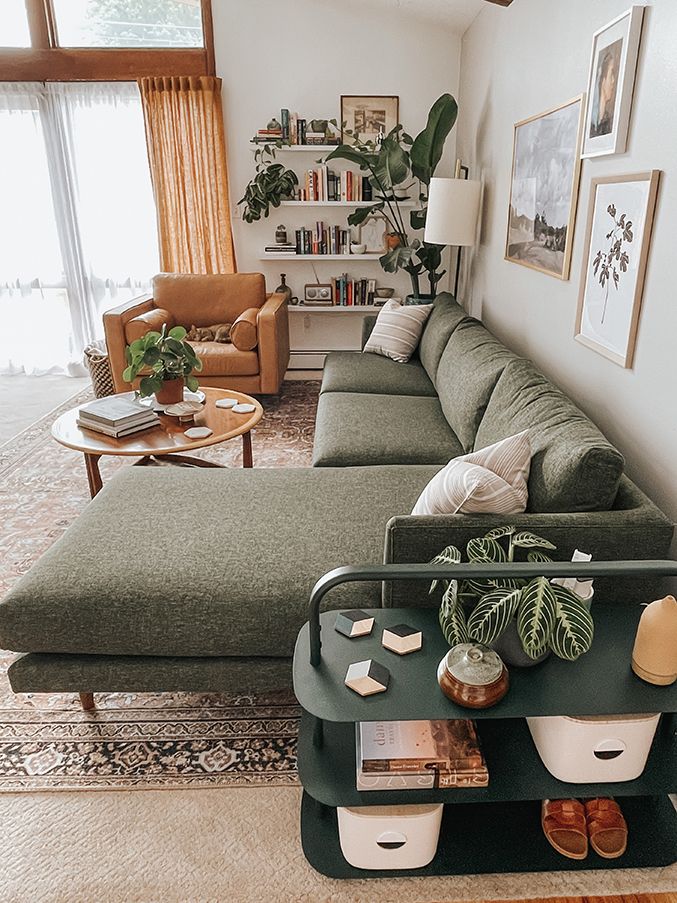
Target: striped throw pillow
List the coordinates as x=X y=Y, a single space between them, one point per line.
x=398 y=329
x=490 y=481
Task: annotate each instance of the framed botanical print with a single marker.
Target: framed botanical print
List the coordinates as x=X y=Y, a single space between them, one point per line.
x=370 y=117
x=546 y=169
x=611 y=82
x=616 y=252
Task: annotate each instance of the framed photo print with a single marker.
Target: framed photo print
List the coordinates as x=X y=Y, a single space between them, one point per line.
x=611 y=83
x=373 y=234
x=546 y=168
x=370 y=117
x=616 y=251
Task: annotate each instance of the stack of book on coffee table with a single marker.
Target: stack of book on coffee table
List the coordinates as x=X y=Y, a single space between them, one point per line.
x=116 y=416
x=411 y=755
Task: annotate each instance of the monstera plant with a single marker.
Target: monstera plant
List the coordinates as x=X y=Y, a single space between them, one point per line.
x=398 y=167
x=547 y=616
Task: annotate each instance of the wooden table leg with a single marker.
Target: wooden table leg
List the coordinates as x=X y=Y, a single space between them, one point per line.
x=87 y=701
x=93 y=474
x=247 y=457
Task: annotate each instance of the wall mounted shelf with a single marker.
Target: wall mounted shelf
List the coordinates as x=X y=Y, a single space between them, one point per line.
x=334 y=309
x=298 y=148
x=338 y=203
x=356 y=258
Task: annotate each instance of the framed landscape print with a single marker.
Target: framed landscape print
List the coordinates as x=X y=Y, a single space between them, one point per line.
x=546 y=168
x=369 y=116
x=614 y=264
x=611 y=83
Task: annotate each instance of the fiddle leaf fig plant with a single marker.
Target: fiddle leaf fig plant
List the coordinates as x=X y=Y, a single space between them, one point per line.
x=548 y=616
x=164 y=356
x=272 y=184
x=398 y=167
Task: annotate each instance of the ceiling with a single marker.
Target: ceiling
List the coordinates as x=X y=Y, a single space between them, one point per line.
x=454 y=14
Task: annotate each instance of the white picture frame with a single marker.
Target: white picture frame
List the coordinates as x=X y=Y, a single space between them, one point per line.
x=617 y=241
x=611 y=83
x=372 y=234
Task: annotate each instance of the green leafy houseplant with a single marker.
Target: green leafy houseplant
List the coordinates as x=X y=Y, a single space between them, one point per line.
x=548 y=616
x=395 y=166
x=271 y=185
x=166 y=355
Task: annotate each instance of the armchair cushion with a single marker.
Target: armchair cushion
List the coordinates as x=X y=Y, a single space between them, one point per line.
x=244 y=331
x=155 y=319
x=225 y=360
x=204 y=300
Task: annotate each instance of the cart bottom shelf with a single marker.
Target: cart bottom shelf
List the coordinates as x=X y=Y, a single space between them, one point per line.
x=489 y=838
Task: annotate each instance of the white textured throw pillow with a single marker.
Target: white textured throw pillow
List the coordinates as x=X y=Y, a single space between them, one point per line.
x=398 y=329
x=490 y=481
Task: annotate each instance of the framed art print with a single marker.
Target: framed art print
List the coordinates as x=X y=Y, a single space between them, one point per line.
x=369 y=116
x=614 y=264
x=546 y=168
x=372 y=233
x=611 y=83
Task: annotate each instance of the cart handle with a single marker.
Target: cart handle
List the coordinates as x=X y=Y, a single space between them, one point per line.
x=583 y=570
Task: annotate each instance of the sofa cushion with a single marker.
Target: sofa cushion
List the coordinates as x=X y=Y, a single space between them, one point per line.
x=359 y=429
x=492 y=480
x=244 y=331
x=204 y=300
x=469 y=369
x=345 y=371
x=573 y=468
x=225 y=360
x=445 y=317
x=398 y=329
x=190 y=562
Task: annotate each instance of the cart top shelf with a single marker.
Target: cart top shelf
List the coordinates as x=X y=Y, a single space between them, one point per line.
x=600 y=682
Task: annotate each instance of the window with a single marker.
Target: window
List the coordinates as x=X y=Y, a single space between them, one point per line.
x=77 y=225
x=14 y=24
x=128 y=23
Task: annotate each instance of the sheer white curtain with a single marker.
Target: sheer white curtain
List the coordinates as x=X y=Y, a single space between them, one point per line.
x=77 y=232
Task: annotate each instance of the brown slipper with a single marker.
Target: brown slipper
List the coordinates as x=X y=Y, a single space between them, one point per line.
x=563 y=823
x=607 y=829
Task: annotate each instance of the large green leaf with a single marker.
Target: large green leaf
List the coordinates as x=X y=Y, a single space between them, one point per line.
x=483 y=550
x=353 y=155
x=538 y=557
x=536 y=616
x=526 y=540
x=452 y=617
x=426 y=151
x=574 y=627
x=492 y=614
x=497 y=532
x=363 y=213
x=396 y=258
x=450 y=555
x=392 y=166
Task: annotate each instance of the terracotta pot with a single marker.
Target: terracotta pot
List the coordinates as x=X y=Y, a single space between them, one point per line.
x=171 y=392
x=392 y=240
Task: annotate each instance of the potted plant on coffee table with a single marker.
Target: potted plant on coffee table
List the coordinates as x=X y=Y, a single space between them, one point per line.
x=543 y=616
x=398 y=167
x=167 y=363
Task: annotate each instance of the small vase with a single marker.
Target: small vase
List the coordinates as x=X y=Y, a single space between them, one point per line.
x=509 y=647
x=171 y=391
x=283 y=288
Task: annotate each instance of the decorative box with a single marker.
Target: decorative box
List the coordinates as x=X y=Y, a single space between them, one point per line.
x=389 y=837
x=591 y=749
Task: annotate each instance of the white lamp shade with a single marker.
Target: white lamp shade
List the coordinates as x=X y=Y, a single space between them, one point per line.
x=453 y=209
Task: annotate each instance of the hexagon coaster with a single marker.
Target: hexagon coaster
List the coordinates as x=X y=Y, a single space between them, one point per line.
x=367 y=678
x=402 y=639
x=354 y=623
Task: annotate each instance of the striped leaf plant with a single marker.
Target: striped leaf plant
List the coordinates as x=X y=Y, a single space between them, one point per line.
x=547 y=616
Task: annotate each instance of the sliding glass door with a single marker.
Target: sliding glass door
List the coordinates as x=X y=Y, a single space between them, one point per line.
x=77 y=220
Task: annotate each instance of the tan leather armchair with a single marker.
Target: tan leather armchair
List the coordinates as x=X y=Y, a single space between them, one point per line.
x=255 y=363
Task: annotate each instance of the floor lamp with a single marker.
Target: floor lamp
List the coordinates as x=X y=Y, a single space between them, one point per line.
x=453 y=211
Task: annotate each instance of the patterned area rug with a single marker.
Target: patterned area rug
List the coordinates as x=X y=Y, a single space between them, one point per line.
x=141 y=740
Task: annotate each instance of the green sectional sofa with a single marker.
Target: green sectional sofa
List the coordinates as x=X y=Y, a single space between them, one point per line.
x=142 y=593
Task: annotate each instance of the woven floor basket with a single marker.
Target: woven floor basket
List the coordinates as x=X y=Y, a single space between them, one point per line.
x=98 y=364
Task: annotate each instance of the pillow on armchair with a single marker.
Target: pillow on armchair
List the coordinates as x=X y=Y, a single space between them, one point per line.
x=244 y=333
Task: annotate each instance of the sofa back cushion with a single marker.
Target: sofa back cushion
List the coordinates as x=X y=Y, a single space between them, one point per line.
x=205 y=300
x=469 y=369
x=445 y=317
x=573 y=468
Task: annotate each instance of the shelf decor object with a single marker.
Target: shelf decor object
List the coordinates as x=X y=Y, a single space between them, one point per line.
x=402 y=639
x=654 y=655
x=599 y=683
x=473 y=675
x=367 y=678
x=354 y=623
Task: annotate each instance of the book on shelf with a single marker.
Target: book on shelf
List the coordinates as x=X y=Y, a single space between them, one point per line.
x=287 y=248
x=348 y=292
x=322 y=239
x=449 y=749
x=115 y=411
x=325 y=186
x=284 y=122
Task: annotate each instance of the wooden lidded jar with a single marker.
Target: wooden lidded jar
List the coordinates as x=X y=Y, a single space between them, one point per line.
x=473 y=675
x=654 y=657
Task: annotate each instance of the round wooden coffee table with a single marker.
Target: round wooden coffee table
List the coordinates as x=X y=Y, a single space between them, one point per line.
x=167 y=440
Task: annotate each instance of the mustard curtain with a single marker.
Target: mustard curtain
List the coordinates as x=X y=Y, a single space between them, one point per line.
x=187 y=154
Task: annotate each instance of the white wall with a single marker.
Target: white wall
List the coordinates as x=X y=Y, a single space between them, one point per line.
x=519 y=62
x=303 y=54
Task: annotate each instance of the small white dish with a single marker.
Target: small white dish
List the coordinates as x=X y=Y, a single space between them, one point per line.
x=226 y=403
x=244 y=408
x=183 y=409
x=197 y=432
x=198 y=396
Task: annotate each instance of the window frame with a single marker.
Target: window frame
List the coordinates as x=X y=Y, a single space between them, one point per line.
x=46 y=61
